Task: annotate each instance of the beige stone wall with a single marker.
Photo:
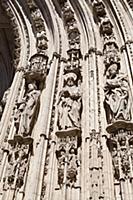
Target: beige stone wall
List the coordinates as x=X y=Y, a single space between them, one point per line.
x=66 y=121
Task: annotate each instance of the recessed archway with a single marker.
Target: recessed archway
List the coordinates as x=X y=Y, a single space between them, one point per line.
x=6 y=52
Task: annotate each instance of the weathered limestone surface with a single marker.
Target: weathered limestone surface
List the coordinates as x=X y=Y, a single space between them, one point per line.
x=66 y=114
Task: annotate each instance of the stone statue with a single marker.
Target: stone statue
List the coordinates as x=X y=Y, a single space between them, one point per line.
x=31 y=103
x=22 y=165
x=61 y=156
x=115 y=161
x=13 y=160
x=69 y=105
x=117 y=102
x=3 y=101
x=26 y=110
x=73 y=164
x=17 y=165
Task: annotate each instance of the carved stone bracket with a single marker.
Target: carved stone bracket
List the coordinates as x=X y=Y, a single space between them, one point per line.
x=98 y=10
x=106 y=27
x=37 y=70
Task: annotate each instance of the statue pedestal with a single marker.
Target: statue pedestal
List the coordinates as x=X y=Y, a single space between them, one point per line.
x=21 y=140
x=120 y=124
x=69 y=132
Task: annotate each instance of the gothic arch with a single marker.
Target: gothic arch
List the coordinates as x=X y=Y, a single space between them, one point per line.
x=66 y=122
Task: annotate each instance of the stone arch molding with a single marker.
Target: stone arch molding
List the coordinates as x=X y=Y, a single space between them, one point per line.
x=57 y=118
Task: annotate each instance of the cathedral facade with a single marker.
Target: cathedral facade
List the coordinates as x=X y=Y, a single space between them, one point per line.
x=66 y=111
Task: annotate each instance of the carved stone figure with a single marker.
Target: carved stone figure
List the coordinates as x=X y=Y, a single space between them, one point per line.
x=111 y=53
x=122 y=138
x=117 y=102
x=68 y=14
x=125 y=161
x=41 y=41
x=106 y=27
x=73 y=163
x=19 y=109
x=17 y=164
x=22 y=165
x=13 y=159
x=3 y=101
x=99 y=8
x=26 y=110
x=69 y=105
x=31 y=103
x=115 y=163
x=61 y=157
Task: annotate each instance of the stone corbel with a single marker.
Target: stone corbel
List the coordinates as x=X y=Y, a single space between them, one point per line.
x=98 y=10
x=106 y=27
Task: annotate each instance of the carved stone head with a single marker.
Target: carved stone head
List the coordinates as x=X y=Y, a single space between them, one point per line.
x=70 y=79
x=112 y=70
